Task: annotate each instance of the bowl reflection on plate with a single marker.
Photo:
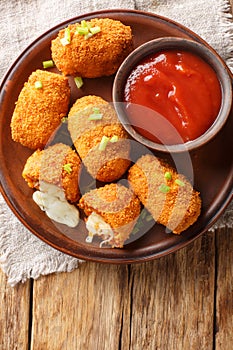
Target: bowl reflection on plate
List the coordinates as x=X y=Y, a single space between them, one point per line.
x=133 y=64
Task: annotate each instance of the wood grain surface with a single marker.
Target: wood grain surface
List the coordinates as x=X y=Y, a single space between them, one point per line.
x=14 y=315
x=182 y=301
x=224 y=289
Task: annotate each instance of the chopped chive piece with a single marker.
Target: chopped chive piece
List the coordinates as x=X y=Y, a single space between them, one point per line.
x=82 y=30
x=168 y=175
x=64 y=119
x=164 y=188
x=66 y=40
x=78 y=81
x=135 y=230
x=83 y=23
x=149 y=218
x=87 y=30
x=67 y=167
x=143 y=214
x=95 y=30
x=38 y=84
x=96 y=110
x=48 y=64
x=95 y=116
x=103 y=143
x=114 y=138
x=87 y=36
x=67 y=34
x=179 y=182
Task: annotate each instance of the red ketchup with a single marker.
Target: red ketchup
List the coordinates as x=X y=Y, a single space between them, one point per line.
x=182 y=95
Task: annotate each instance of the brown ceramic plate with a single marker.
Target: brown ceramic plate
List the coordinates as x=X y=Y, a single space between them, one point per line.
x=212 y=164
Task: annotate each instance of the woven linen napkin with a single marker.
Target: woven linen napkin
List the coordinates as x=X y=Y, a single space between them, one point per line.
x=22 y=255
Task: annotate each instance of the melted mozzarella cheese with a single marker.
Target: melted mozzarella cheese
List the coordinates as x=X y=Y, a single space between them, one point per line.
x=96 y=225
x=51 y=199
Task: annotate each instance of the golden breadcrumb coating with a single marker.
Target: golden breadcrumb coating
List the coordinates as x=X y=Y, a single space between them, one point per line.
x=38 y=111
x=104 y=165
x=58 y=165
x=179 y=207
x=100 y=55
x=117 y=205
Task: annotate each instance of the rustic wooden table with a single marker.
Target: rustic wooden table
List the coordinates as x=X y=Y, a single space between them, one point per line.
x=180 y=302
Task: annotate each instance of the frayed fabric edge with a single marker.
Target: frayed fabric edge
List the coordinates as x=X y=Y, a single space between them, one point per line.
x=226 y=23
x=54 y=265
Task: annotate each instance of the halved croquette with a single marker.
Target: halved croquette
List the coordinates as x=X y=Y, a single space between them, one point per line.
x=58 y=165
x=112 y=212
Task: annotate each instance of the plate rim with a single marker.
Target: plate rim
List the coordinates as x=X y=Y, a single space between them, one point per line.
x=10 y=201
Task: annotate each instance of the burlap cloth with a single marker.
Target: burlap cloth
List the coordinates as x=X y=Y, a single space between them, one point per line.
x=22 y=255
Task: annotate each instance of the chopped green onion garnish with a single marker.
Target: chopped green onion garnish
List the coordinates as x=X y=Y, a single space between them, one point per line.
x=135 y=230
x=83 y=23
x=87 y=30
x=87 y=36
x=95 y=116
x=103 y=143
x=48 y=64
x=82 y=30
x=179 y=182
x=67 y=38
x=38 y=84
x=64 y=42
x=95 y=30
x=67 y=167
x=164 y=188
x=78 y=81
x=64 y=119
x=143 y=214
x=114 y=139
x=149 y=218
x=67 y=34
x=96 y=110
x=168 y=175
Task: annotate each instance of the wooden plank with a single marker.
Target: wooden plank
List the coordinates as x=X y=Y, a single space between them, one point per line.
x=84 y=309
x=173 y=299
x=14 y=311
x=224 y=291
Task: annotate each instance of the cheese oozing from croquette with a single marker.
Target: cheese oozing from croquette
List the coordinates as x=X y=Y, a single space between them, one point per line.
x=96 y=225
x=51 y=199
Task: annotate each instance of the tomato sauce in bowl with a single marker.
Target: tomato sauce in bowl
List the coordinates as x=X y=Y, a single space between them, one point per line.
x=173 y=94
x=176 y=85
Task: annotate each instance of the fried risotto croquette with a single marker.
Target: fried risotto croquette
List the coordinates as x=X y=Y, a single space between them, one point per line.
x=58 y=165
x=168 y=196
x=112 y=212
x=92 y=56
x=99 y=138
x=42 y=103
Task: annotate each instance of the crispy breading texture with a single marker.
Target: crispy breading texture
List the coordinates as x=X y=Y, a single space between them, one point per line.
x=38 y=111
x=58 y=165
x=177 y=206
x=117 y=205
x=105 y=165
x=100 y=55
